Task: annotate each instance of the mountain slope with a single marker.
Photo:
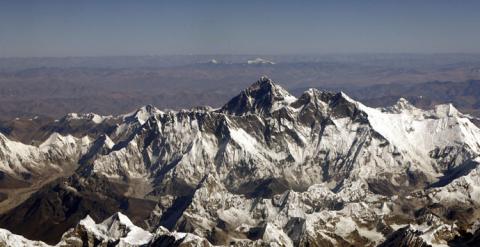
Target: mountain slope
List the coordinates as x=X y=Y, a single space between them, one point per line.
x=268 y=167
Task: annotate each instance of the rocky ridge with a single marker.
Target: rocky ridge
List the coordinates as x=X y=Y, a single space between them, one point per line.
x=266 y=168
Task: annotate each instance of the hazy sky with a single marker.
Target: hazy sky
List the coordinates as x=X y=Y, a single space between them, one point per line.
x=95 y=28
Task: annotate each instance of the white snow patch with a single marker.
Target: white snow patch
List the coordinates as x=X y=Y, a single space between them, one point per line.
x=7 y=238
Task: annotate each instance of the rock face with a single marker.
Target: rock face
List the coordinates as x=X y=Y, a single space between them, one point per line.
x=265 y=169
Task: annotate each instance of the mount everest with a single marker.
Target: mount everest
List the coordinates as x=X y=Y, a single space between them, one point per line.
x=266 y=169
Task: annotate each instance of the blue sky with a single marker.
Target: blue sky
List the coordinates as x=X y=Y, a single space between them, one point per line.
x=97 y=28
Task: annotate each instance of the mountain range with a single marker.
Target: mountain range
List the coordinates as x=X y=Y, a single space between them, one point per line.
x=265 y=169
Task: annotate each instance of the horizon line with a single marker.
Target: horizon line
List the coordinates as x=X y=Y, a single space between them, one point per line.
x=248 y=54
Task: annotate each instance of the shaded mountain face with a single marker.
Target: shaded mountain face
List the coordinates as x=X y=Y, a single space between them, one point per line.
x=260 y=98
x=266 y=168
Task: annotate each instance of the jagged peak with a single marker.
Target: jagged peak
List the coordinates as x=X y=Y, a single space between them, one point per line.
x=263 y=96
x=117 y=218
x=266 y=83
x=313 y=96
x=317 y=93
x=117 y=227
x=336 y=105
x=327 y=96
x=342 y=98
x=150 y=109
x=400 y=106
x=403 y=103
x=143 y=113
x=112 y=224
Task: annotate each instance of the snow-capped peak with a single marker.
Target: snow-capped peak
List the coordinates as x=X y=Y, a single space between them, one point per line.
x=259 y=60
x=264 y=96
x=142 y=114
x=117 y=219
x=95 y=118
x=57 y=139
x=401 y=105
x=116 y=227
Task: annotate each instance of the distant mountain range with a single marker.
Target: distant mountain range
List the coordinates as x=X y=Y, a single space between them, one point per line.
x=264 y=169
x=53 y=87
